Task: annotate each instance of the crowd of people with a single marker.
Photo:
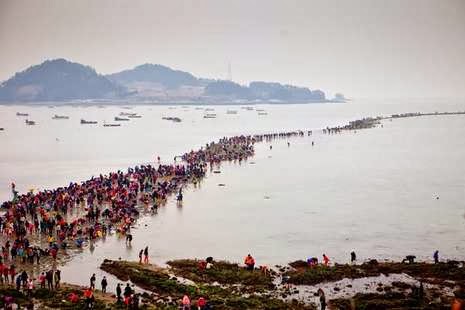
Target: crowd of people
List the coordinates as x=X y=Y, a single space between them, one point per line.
x=75 y=215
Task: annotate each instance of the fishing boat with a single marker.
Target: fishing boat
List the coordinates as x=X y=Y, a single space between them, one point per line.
x=174 y=119
x=209 y=115
x=84 y=122
x=28 y=122
x=111 y=125
x=135 y=116
x=231 y=112
x=120 y=119
x=127 y=114
x=60 y=117
x=21 y=114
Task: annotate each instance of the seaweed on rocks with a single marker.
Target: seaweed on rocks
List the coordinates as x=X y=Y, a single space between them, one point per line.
x=222 y=272
x=159 y=282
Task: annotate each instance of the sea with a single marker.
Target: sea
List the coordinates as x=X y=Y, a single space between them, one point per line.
x=386 y=192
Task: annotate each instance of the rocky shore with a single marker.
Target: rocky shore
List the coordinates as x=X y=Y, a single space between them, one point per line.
x=230 y=286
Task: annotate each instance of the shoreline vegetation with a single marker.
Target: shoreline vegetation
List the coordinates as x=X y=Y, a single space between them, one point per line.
x=112 y=203
x=281 y=285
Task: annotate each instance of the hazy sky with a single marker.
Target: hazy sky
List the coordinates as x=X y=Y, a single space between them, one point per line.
x=363 y=48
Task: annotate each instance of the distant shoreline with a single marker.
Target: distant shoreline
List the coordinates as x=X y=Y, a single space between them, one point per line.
x=144 y=103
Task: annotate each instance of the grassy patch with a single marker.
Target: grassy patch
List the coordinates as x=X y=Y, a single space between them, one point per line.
x=436 y=273
x=158 y=281
x=222 y=272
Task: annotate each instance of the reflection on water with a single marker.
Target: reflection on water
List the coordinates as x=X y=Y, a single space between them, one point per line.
x=373 y=191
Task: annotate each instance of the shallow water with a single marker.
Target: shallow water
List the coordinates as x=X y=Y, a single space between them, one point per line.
x=373 y=191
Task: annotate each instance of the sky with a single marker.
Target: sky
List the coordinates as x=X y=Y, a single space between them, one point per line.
x=362 y=48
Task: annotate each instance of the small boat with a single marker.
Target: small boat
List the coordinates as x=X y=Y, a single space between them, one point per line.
x=174 y=119
x=135 y=116
x=262 y=113
x=21 y=114
x=111 y=125
x=210 y=115
x=2 y=129
x=60 y=117
x=28 y=122
x=260 y=110
x=249 y=108
x=231 y=112
x=119 y=119
x=127 y=114
x=83 y=121
x=209 y=109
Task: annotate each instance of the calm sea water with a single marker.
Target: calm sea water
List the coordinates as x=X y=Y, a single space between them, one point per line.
x=373 y=191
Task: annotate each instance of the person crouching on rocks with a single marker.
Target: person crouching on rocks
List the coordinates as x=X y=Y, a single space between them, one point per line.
x=249 y=262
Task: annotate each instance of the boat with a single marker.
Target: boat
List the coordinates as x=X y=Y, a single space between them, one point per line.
x=60 y=117
x=28 y=122
x=111 y=125
x=262 y=113
x=209 y=115
x=83 y=121
x=119 y=119
x=134 y=116
x=174 y=119
x=260 y=110
x=21 y=114
x=249 y=108
x=209 y=109
x=127 y=114
x=2 y=129
x=231 y=112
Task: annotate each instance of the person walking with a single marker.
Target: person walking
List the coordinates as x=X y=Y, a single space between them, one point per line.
x=141 y=252
x=104 y=284
x=146 y=255
x=321 y=293
x=186 y=303
x=92 y=282
x=353 y=257
x=436 y=257
x=118 y=293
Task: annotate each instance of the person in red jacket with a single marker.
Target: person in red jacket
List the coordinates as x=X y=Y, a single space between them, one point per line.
x=249 y=261
x=201 y=303
x=325 y=260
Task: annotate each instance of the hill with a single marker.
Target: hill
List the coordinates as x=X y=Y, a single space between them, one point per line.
x=162 y=75
x=58 y=80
